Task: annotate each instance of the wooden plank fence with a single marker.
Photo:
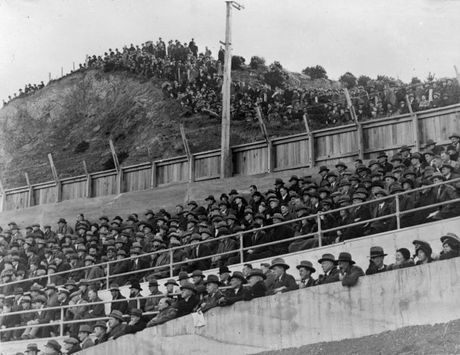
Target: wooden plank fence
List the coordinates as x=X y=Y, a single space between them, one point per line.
x=326 y=146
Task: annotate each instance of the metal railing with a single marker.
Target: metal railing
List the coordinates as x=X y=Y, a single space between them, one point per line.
x=174 y=266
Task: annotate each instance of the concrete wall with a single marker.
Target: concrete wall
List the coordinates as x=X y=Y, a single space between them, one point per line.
x=424 y=294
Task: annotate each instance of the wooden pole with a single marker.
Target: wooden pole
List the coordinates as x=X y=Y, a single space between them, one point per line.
x=190 y=157
x=89 y=181
x=415 y=128
x=311 y=142
x=263 y=128
x=457 y=75
x=3 y=199
x=56 y=178
x=359 y=128
x=30 y=199
x=117 y=168
x=226 y=157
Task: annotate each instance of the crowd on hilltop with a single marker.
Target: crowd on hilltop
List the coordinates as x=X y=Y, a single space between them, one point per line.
x=32 y=256
x=29 y=89
x=195 y=79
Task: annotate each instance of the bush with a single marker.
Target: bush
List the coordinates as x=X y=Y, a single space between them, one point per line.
x=363 y=80
x=257 y=62
x=237 y=62
x=275 y=76
x=348 y=79
x=316 y=72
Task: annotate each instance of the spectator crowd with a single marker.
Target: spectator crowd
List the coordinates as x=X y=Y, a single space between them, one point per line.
x=195 y=79
x=39 y=265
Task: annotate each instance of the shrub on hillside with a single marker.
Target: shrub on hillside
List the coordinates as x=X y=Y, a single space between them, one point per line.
x=276 y=75
x=257 y=62
x=316 y=72
x=237 y=62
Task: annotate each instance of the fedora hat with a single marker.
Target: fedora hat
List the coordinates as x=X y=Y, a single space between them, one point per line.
x=307 y=265
x=189 y=286
x=53 y=344
x=171 y=282
x=256 y=272
x=100 y=324
x=344 y=256
x=279 y=262
x=376 y=251
x=212 y=279
x=197 y=273
x=85 y=328
x=32 y=347
x=117 y=315
x=327 y=257
x=183 y=276
x=238 y=275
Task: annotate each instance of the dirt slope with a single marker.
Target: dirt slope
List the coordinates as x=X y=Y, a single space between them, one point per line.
x=74 y=117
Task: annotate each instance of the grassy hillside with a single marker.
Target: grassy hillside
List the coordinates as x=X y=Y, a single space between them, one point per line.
x=73 y=118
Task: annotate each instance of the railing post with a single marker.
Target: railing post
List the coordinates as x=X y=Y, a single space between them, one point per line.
x=61 y=324
x=414 y=124
x=318 y=221
x=171 y=270
x=153 y=176
x=398 y=215
x=241 y=249
x=107 y=276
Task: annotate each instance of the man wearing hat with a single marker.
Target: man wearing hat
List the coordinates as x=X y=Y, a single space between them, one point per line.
x=71 y=345
x=188 y=300
x=94 y=272
x=52 y=347
x=284 y=282
x=166 y=312
x=198 y=251
x=306 y=269
x=151 y=303
x=444 y=193
x=100 y=331
x=280 y=232
x=213 y=296
x=117 y=327
x=32 y=349
x=380 y=209
x=331 y=273
x=83 y=336
x=257 y=286
x=63 y=228
x=137 y=321
x=450 y=246
x=119 y=302
x=348 y=272
x=224 y=276
x=135 y=292
x=376 y=264
x=455 y=141
x=237 y=292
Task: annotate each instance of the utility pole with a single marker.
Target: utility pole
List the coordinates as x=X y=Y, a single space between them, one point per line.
x=225 y=157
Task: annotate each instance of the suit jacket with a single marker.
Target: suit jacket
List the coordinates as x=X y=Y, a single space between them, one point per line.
x=285 y=280
x=211 y=301
x=352 y=275
x=117 y=332
x=332 y=276
x=97 y=310
x=372 y=269
x=204 y=264
x=151 y=304
x=87 y=343
x=186 y=306
x=231 y=296
x=307 y=283
x=131 y=329
x=258 y=290
x=120 y=306
x=163 y=316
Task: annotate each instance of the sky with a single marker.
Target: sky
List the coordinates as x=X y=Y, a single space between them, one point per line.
x=399 y=38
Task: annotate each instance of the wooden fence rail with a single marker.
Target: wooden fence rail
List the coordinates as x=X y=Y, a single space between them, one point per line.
x=326 y=146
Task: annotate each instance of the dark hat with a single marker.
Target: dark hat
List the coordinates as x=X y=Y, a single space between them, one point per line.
x=32 y=347
x=437 y=175
x=233 y=192
x=344 y=256
x=279 y=181
x=380 y=191
x=62 y=220
x=114 y=287
x=238 y=275
x=404 y=148
x=327 y=257
x=382 y=155
x=294 y=178
x=452 y=239
x=197 y=273
x=279 y=262
x=136 y=285
x=256 y=272
x=53 y=344
x=210 y=198
x=454 y=135
x=212 y=279
x=278 y=216
x=100 y=324
x=189 y=286
x=421 y=244
x=306 y=264
x=117 y=315
x=342 y=164
x=85 y=328
x=183 y=276
x=223 y=269
x=136 y=312
x=171 y=282
x=376 y=251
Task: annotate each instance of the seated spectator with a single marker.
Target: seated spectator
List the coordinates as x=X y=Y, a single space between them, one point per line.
x=211 y=299
x=450 y=246
x=32 y=349
x=117 y=327
x=403 y=259
x=135 y=292
x=284 y=282
x=236 y=292
x=100 y=332
x=348 y=273
x=71 y=345
x=423 y=252
x=97 y=310
x=188 y=301
x=52 y=347
x=166 y=312
x=331 y=273
x=83 y=336
x=151 y=303
x=376 y=264
x=306 y=269
x=257 y=286
x=136 y=323
x=121 y=303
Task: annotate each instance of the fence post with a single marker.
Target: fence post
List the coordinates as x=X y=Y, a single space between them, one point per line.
x=263 y=128
x=318 y=221
x=171 y=256
x=107 y=277
x=398 y=215
x=416 y=131
x=190 y=157
x=153 y=177
x=3 y=199
x=89 y=181
x=311 y=142
x=359 y=127
x=30 y=200
x=117 y=168
x=241 y=248
x=56 y=178
x=61 y=324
